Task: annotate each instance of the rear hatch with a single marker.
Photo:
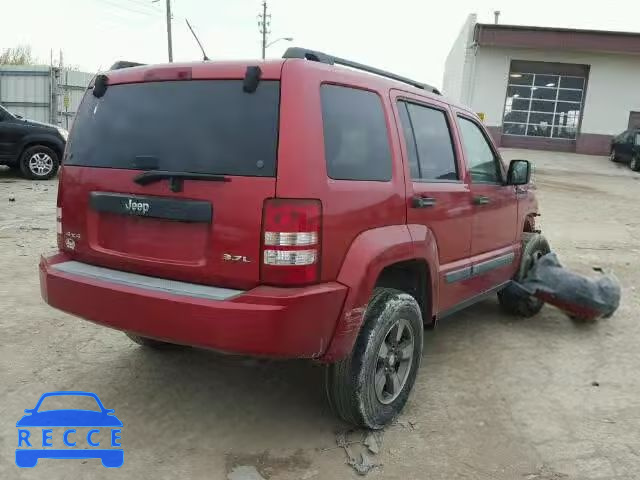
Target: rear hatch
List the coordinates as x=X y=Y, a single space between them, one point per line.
x=168 y=177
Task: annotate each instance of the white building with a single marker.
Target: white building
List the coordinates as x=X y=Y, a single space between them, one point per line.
x=547 y=88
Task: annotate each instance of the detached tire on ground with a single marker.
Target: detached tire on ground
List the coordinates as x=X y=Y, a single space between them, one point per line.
x=534 y=246
x=149 y=342
x=371 y=386
x=39 y=163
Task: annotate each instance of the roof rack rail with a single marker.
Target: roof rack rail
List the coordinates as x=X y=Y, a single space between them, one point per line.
x=315 y=56
x=124 y=64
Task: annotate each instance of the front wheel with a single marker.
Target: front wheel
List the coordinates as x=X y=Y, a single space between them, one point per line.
x=534 y=246
x=370 y=387
x=635 y=163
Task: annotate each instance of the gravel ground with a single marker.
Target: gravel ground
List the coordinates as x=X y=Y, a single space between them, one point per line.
x=496 y=398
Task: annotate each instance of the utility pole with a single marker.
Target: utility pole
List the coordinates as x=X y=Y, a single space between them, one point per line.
x=169 y=43
x=264 y=20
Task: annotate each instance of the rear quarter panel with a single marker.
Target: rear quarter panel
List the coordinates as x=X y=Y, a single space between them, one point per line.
x=349 y=207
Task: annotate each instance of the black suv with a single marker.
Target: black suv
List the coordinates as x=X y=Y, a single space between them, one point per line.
x=626 y=148
x=33 y=147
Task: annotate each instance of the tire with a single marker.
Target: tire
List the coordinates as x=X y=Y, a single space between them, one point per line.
x=534 y=245
x=351 y=387
x=149 y=342
x=635 y=163
x=39 y=163
x=612 y=156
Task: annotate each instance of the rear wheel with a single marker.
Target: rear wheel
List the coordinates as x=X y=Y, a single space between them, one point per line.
x=612 y=156
x=39 y=163
x=534 y=246
x=371 y=386
x=149 y=342
x=635 y=163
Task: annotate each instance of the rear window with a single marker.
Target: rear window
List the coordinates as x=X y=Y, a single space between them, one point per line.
x=356 y=142
x=199 y=126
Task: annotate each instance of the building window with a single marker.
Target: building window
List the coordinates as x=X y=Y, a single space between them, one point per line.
x=542 y=105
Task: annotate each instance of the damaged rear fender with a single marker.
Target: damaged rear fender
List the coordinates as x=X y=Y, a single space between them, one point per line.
x=370 y=253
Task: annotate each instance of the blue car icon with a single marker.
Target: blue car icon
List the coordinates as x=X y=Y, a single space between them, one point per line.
x=104 y=418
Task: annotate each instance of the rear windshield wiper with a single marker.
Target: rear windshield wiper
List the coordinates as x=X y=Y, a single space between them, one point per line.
x=176 y=178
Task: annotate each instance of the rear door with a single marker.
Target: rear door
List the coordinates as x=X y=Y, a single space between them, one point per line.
x=12 y=130
x=495 y=207
x=201 y=225
x=437 y=191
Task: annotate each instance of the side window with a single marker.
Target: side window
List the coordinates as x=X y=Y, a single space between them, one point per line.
x=436 y=160
x=409 y=140
x=356 y=141
x=483 y=164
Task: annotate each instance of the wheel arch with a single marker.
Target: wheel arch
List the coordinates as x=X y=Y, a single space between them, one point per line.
x=50 y=142
x=413 y=277
x=379 y=257
x=529 y=225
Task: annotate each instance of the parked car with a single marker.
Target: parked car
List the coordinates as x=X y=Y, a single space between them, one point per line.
x=288 y=208
x=626 y=148
x=32 y=147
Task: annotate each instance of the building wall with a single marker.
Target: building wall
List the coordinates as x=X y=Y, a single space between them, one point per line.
x=612 y=91
x=459 y=63
x=38 y=92
x=26 y=90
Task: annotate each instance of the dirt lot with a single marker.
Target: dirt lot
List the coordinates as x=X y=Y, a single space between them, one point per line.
x=496 y=398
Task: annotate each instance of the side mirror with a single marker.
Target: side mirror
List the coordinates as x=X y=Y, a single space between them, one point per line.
x=519 y=172
x=28 y=410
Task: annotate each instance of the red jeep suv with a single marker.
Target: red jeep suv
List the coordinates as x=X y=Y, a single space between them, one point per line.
x=287 y=208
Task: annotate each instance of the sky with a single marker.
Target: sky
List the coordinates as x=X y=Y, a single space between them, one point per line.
x=408 y=37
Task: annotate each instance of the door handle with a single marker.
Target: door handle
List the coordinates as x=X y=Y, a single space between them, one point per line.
x=481 y=200
x=422 y=202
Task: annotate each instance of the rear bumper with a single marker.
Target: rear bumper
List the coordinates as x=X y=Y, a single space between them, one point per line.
x=282 y=322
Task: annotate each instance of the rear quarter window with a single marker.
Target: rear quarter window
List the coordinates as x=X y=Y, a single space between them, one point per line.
x=356 y=140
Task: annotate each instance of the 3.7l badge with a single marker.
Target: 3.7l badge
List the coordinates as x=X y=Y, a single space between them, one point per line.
x=227 y=257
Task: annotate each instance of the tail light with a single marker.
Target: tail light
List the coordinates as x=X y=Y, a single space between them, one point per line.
x=59 y=239
x=291 y=242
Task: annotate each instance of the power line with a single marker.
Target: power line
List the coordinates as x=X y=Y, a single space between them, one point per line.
x=128 y=9
x=145 y=3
